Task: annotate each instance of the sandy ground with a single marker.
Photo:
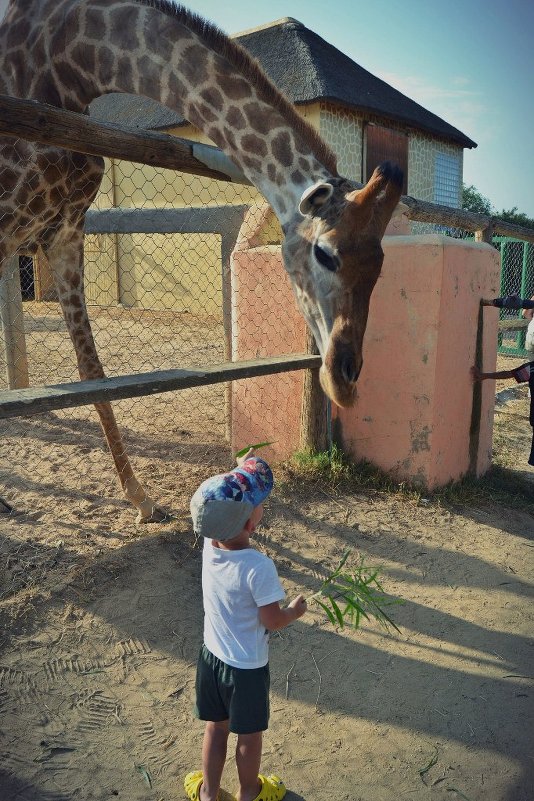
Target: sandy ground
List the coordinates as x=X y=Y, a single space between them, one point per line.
x=101 y=624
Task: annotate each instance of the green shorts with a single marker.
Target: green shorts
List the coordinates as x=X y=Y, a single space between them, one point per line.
x=238 y=695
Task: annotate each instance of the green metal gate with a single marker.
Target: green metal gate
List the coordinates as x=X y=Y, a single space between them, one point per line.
x=517 y=278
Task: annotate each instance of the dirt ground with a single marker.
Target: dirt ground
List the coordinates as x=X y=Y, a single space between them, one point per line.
x=100 y=625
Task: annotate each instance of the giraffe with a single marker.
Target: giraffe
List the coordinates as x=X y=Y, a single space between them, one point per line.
x=68 y=52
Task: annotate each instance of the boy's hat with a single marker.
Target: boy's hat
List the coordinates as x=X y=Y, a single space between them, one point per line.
x=222 y=504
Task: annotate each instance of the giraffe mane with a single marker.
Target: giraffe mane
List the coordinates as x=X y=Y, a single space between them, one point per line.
x=249 y=68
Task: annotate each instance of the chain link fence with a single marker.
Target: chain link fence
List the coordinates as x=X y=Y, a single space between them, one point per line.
x=156 y=301
x=517 y=278
x=158 y=298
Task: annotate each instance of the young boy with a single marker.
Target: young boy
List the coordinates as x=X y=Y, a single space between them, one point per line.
x=521 y=374
x=241 y=594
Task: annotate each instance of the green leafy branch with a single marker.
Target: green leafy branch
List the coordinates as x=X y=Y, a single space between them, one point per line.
x=256 y=446
x=348 y=596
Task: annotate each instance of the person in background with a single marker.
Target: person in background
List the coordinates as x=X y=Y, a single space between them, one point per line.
x=522 y=374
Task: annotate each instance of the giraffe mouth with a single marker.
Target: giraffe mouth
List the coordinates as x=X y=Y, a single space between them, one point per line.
x=339 y=376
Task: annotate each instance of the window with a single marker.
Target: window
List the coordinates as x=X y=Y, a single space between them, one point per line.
x=447 y=180
x=383 y=144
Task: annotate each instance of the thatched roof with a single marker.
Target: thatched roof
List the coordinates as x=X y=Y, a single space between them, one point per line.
x=307 y=69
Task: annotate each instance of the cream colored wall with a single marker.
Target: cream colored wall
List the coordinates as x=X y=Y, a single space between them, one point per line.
x=343 y=130
x=183 y=272
x=422 y=153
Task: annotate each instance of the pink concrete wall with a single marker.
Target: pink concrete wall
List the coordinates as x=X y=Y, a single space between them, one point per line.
x=265 y=322
x=413 y=412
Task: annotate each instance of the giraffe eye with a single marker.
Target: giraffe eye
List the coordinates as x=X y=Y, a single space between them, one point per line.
x=326 y=258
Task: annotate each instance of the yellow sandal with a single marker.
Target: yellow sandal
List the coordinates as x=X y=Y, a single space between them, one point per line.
x=272 y=788
x=192 y=784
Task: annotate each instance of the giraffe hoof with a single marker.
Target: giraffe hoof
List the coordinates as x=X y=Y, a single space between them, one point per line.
x=157 y=514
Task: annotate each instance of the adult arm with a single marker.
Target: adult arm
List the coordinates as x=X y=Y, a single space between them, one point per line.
x=478 y=375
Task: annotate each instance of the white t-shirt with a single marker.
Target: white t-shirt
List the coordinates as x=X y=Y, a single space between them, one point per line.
x=234 y=585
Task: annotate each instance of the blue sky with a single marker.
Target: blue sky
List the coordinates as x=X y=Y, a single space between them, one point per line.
x=470 y=62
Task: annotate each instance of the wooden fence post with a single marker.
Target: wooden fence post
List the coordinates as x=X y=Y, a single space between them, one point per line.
x=313 y=416
x=13 y=326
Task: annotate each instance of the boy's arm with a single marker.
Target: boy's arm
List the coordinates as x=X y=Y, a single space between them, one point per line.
x=274 y=618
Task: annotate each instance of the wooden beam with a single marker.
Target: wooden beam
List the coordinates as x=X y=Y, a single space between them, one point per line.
x=12 y=319
x=25 y=402
x=48 y=125
x=200 y=220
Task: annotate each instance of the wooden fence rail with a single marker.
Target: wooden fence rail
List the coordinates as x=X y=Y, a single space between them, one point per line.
x=44 y=124
x=36 y=400
x=37 y=122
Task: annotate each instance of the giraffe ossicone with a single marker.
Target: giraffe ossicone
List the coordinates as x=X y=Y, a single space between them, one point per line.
x=81 y=49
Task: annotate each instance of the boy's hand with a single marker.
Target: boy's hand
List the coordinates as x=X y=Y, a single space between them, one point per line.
x=241 y=459
x=298 y=605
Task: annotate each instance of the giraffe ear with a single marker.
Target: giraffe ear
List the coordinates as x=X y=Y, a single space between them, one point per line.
x=314 y=197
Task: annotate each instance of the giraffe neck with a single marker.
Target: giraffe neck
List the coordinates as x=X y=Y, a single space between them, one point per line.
x=156 y=49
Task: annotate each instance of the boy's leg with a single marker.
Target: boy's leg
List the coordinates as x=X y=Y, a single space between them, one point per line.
x=248 y=759
x=213 y=758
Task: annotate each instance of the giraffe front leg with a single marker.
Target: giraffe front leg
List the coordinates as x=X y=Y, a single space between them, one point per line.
x=67 y=266
x=147 y=510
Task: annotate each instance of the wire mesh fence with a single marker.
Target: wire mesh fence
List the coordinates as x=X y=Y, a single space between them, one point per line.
x=517 y=278
x=159 y=296
x=155 y=301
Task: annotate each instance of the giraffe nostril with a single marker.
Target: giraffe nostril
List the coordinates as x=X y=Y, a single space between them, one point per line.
x=349 y=371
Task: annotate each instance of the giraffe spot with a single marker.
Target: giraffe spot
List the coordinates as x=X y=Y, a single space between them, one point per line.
x=297 y=177
x=45 y=92
x=281 y=149
x=124 y=67
x=193 y=64
x=271 y=172
x=19 y=32
x=303 y=164
x=254 y=144
x=8 y=179
x=230 y=138
x=36 y=204
x=106 y=61
x=75 y=300
x=84 y=55
x=177 y=90
x=213 y=97
x=77 y=316
x=251 y=163
x=95 y=25
x=234 y=87
x=120 y=20
x=259 y=116
x=236 y=119
x=206 y=113
x=282 y=208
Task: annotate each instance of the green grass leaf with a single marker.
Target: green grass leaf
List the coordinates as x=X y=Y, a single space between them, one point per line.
x=256 y=447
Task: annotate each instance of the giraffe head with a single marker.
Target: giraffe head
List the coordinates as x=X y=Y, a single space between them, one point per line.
x=333 y=255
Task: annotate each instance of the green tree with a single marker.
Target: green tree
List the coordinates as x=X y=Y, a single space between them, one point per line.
x=516 y=217
x=473 y=200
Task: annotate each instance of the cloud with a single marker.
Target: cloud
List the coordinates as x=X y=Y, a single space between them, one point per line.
x=456 y=103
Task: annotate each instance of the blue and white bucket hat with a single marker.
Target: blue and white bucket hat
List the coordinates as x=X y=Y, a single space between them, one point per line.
x=222 y=504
